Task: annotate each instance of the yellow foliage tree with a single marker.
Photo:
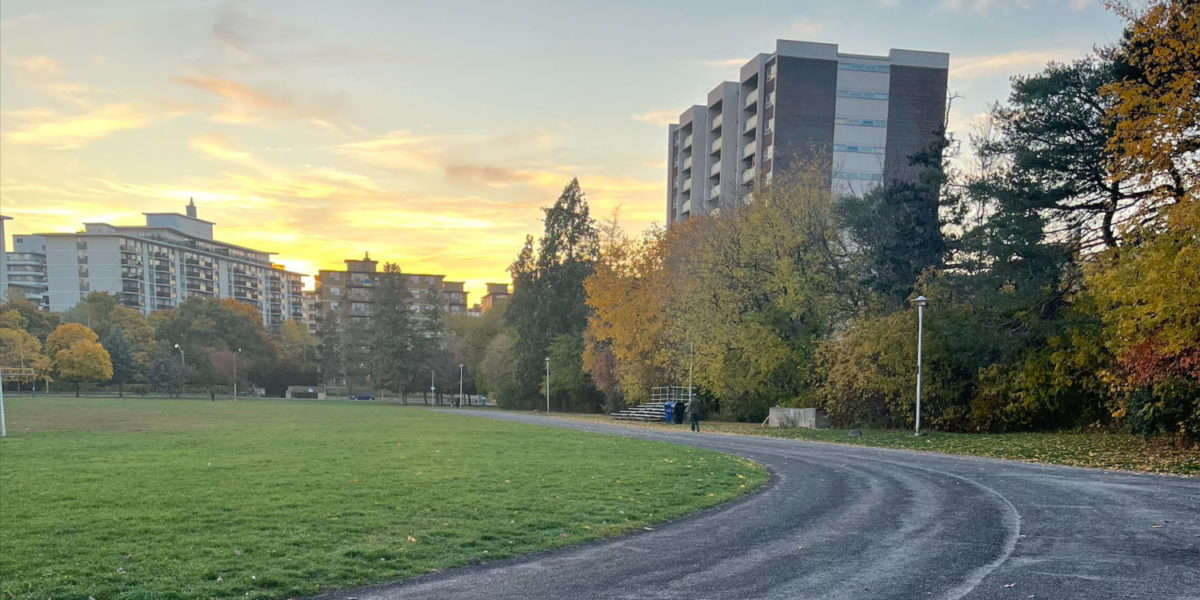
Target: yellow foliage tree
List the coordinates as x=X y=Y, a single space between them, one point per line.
x=85 y=360
x=66 y=335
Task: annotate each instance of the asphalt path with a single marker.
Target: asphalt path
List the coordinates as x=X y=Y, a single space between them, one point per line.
x=840 y=521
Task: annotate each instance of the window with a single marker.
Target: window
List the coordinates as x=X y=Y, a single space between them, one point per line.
x=335 y=291
x=860 y=122
x=867 y=68
x=865 y=95
x=858 y=149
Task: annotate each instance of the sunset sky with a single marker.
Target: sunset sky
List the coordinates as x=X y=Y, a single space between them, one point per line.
x=428 y=133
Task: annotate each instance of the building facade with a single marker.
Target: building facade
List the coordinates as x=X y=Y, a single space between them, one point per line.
x=351 y=291
x=26 y=272
x=155 y=267
x=857 y=118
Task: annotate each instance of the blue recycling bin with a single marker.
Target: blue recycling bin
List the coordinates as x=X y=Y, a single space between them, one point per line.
x=669 y=412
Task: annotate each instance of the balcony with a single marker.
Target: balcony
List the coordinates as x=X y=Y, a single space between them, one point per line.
x=748 y=175
x=751 y=101
x=687 y=142
x=715 y=169
x=749 y=150
x=714 y=193
x=715 y=146
x=686 y=208
x=687 y=164
x=687 y=184
x=750 y=126
x=717 y=121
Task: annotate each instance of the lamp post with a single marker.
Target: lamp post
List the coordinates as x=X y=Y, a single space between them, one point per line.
x=432 y=386
x=182 y=367
x=920 y=302
x=547 y=384
x=236 y=358
x=460 y=378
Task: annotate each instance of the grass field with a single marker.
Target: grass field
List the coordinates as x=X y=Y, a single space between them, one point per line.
x=1100 y=450
x=156 y=498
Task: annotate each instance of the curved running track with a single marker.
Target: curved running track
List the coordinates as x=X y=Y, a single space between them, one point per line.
x=851 y=522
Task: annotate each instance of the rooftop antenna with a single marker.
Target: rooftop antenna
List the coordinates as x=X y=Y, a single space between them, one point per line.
x=191 y=208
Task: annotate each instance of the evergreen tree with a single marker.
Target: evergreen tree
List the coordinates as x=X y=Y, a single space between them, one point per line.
x=120 y=353
x=391 y=333
x=548 y=295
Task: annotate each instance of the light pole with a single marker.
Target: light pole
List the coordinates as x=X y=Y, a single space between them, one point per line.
x=547 y=384
x=182 y=367
x=432 y=387
x=460 y=377
x=236 y=357
x=920 y=302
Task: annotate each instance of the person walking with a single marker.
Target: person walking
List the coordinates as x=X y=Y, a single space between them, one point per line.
x=693 y=411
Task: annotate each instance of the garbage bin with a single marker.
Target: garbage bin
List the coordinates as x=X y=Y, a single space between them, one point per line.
x=669 y=412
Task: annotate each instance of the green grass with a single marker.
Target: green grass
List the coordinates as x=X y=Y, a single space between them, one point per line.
x=1100 y=450
x=156 y=498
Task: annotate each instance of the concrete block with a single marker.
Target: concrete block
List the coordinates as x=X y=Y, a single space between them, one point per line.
x=809 y=418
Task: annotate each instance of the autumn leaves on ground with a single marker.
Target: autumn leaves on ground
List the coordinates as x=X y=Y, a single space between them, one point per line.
x=187 y=498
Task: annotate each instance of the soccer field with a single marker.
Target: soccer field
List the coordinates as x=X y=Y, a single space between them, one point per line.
x=158 y=498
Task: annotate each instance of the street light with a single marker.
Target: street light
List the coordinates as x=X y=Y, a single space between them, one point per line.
x=460 y=375
x=547 y=384
x=236 y=357
x=921 y=302
x=182 y=367
x=432 y=387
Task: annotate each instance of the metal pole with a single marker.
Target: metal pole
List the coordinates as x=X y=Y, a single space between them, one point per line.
x=235 y=374
x=547 y=384
x=432 y=386
x=460 y=374
x=691 y=367
x=3 y=429
x=920 y=327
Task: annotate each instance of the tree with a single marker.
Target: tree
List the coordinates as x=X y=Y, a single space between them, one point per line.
x=391 y=332
x=19 y=348
x=499 y=369
x=85 y=360
x=37 y=322
x=124 y=366
x=548 y=296
x=295 y=341
x=66 y=335
x=896 y=229
x=629 y=337
x=138 y=332
x=167 y=371
x=1155 y=102
x=94 y=311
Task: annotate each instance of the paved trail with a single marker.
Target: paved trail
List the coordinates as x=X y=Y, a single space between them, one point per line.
x=850 y=522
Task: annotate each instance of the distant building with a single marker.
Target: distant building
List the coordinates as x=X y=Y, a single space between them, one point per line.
x=27 y=270
x=495 y=293
x=857 y=117
x=352 y=290
x=155 y=267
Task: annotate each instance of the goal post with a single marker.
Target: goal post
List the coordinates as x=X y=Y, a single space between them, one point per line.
x=12 y=373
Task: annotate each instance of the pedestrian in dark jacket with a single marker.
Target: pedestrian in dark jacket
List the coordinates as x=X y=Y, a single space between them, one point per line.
x=693 y=411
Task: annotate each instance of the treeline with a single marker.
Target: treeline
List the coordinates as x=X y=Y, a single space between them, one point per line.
x=201 y=345
x=1063 y=274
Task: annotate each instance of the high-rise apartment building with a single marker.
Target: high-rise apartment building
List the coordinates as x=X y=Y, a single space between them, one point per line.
x=172 y=258
x=26 y=276
x=856 y=117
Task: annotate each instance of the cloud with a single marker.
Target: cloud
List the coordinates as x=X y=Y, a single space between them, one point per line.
x=658 y=117
x=803 y=28
x=38 y=65
x=1011 y=63
x=985 y=6
x=725 y=63
x=489 y=174
x=64 y=132
x=397 y=151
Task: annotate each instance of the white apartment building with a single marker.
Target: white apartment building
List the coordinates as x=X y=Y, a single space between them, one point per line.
x=157 y=266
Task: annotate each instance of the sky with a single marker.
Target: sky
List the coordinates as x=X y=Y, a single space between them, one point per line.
x=429 y=134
